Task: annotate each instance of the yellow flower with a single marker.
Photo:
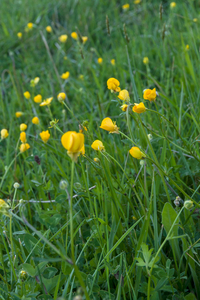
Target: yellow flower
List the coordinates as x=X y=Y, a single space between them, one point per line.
x=125 y=6
x=108 y=125
x=61 y=97
x=4 y=207
x=172 y=4
x=35 y=120
x=136 y=153
x=30 y=25
x=63 y=38
x=74 y=35
x=19 y=35
x=84 y=38
x=195 y=20
x=82 y=151
x=139 y=108
x=150 y=94
x=137 y=1
x=65 y=75
x=100 y=60
x=187 y=47
x=124 y=95
x=96 y=160
x=81 y=76
x=112 y=61
x=27 y=95
x=47 y=101
x=98 y=145
x=73 y=142
x=34 y=81
x=81 y=128
x=24 y=147
x=124 y=107
x=113 y=85
x=45 y=135
x=49 y=29
x=23 y=137
x=23 y=127
x=38 y=98
x=18 y=114
x=145 y=60
x=4 y=134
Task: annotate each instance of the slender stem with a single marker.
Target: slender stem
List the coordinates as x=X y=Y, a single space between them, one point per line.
x=71 y=213
x=2 y=180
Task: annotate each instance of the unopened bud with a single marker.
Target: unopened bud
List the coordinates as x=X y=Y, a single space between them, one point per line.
x=96 y=160
x=178 y=201
x=63 y=185
x=16 y=185
x=188 y=204
x=150 y=136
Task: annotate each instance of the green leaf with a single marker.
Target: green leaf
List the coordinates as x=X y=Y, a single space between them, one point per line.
x=168 y=217
x=29 y=269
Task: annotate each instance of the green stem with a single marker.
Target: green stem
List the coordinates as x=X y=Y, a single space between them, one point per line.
x=2 y=180
x=71 y=212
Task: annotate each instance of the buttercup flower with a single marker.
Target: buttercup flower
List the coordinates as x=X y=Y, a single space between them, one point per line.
x=65 y=75
x=100 y=60
x=125 y=6
x=136 y=153
x=30 y=25
x=98 y=145
x=19 y=35
x=113 y=85
x=49 y=29
x=112 y=61
x=73 y=142
x=84 y=39
x=61 y=97
x=63 y=38
x=74 y=35
x=18 y=114
x=137 y=1
x=24 y=147
x=23 y=137
x=35 y=120
x=23 y=127
x=145 y=60
x=27 y=95
x=124 y=95
x=45 y=135
x=124 y=107
x=150 y=94
x=139 y=108
x=108 y=125
x=172 y=4
x=37 y=99
x=47 y=101
x=4 y=134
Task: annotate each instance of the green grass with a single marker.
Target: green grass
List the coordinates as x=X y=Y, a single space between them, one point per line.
x=121 y=236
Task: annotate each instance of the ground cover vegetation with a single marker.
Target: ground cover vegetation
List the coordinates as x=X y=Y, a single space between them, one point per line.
x=99 y=168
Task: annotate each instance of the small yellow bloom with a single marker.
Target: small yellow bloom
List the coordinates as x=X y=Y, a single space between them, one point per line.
x=4 y=207
x=81 y=128
x=125 y=6
x=96 y=160
x=100 y=60
x=47 y=101
x=19 y=35
x=108 y=125
x=113 y=85
x=136 y=153
x=139 y=108
x=61 y=97
x=172 y=4
x=124 y=107
x=124 y=95
x=35 y=120
x=98 y=145
x=195 y=20
x=150 y=94
x=23 y=127
x=49 y=29
x=27 y=95
x=38 y=98
x=73 y=142
x=81 y=76
x=34 y=81
x=24 y=147
x=134 y=218
x=187 y=47
x=63 y=38
x=137 y=1
x=74 y=35
x=145 y=60
x=4 y=134
x=65 y=75
x=84 y=38
x=23 y=137
x=30 y=25
x=18 y=114
x=45 y=135
x=112 y=61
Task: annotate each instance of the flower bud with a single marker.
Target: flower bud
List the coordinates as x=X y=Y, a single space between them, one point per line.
x=63 y=185
x=188 y=204
x=23 y=275
x=178 y=201
x=16 y=185
x=150 y=136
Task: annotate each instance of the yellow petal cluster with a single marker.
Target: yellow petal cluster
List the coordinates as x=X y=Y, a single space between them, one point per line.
x=100 y=60
x=61 y=97
x=63 y=38
x=4 y=133
x=18 y=114
x=27 y=95
x=74 y=35
x=113 y=85
x=49 y=29
x=23 y=127
x=108 y=125
x=23 y=137
x=19 y=34
x=172 y=4
x=150 y=94
x=24 y=147
x=37 y=99
x=136 y=153
x=45 y=135
x=74 y=143
x=139 y=108
x=112 y=61
x=47 y=101
x=124 y=107
x=65 y=75
x=125 y=6
x=98 y=145
x=35 y=120
x=124 y=95
x=145 y=60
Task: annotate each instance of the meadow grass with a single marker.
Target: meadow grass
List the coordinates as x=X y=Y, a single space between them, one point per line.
x=116 y=227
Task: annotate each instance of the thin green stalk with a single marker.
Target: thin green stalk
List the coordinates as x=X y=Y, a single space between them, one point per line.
x=71 y=212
